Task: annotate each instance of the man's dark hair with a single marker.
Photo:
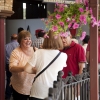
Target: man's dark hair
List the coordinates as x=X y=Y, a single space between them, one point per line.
x=20 y=29
x=86 y=39
x=41 y=34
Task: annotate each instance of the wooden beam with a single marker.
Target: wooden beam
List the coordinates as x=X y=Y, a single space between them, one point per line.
x=3 y=15
x=2 y=59
x=94 y=54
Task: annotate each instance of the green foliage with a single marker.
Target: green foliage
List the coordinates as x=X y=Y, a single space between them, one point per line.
x=65 y=17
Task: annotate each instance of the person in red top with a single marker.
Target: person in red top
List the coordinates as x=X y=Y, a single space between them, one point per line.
x=76 y=56
x=88 y=50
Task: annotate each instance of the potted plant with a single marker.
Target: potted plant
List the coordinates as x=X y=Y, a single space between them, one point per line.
x=72 y=16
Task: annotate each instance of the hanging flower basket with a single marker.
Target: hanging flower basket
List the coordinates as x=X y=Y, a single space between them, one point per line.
x=72 y=16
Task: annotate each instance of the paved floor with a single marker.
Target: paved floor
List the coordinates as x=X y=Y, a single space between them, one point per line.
x=11 y=98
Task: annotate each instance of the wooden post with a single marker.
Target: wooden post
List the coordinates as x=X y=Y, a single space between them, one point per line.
x=3 y=15
x=2 y=61
x=94 y=54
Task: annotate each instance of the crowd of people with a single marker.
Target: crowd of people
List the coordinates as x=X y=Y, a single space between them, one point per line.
x=32 y=66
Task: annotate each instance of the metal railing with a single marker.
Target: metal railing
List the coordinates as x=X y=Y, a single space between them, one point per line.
x=72 y=87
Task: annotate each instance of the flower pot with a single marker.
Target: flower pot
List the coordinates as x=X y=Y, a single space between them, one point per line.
x=73 y=32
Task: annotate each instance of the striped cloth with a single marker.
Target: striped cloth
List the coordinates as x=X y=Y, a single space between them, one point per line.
x=38 y=42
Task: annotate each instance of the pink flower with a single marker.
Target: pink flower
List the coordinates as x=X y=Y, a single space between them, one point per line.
x=85 y=22
x=61 y=5
x=74 y=16
x=46 y=36
x=50 y=17
x=73 y=20
x=64 y=34
x=54 y=28
x=55 y=36
x=94 y=23
x=99 y=23
x=57 y=4
x=93 y=19
x=83 y=35
x=58 y=16
x=62 y=18
x=86 y=3
x=61 y=9
x=55 y=10
x=42 y=19
x=61 y=23
x=82 y=18
x=91 y=11
x=75 y=25
x=81 y=10
x=87 y=8
x=68 y=19
x=78 y=1
x=46 y=22
x=70 y=24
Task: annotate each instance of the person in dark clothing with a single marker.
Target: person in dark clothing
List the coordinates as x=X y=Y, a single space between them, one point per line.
x=20 y=29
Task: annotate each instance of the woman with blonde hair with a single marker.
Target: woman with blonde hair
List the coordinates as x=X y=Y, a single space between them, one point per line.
x=20 y=80
x=41 y=60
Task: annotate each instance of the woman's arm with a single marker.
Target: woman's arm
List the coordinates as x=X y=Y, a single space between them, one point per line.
x=29 y=69
x=88 y=56
x=16 y=69
x=14 y=62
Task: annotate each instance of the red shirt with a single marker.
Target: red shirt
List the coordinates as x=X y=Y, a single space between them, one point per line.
x=88 y=48
x=75 y=55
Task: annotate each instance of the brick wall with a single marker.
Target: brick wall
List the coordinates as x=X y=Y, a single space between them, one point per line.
x=6 y=5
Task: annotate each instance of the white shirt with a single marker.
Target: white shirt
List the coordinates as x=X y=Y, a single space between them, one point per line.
x=75 y=40
x=84 y=47
x=40 y=60
x=38 y=42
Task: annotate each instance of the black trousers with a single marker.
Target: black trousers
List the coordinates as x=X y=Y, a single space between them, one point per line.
x=8 y=91
x=18 y=96
x=32 y=98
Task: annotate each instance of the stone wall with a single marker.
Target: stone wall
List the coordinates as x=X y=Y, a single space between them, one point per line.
x=6 y=5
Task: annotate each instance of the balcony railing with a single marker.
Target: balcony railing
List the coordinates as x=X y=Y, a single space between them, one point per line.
x=72 y=88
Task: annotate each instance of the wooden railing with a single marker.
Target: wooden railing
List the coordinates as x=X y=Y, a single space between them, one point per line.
x=72 y=87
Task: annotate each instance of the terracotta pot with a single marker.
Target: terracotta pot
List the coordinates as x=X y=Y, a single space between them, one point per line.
x=73 y=32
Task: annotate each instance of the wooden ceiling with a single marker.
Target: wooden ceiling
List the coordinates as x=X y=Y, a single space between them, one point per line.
x=30 y=1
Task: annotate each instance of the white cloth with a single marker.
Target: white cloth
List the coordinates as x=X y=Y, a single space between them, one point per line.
x=98 y=65
x=84 y=47
x=75 y=40
x=38 y=42
x=40 y=60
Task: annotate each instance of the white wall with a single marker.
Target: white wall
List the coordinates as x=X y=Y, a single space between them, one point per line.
x=13 y=25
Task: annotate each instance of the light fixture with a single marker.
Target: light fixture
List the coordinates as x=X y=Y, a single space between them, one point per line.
x=24 y=5
x=44 y=6
x=38 y=5
x=24 y=10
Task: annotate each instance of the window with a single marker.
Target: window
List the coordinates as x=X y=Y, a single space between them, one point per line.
x=24 y=10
